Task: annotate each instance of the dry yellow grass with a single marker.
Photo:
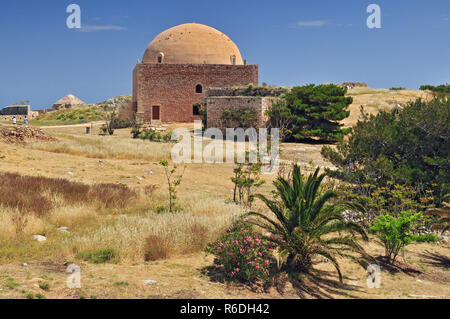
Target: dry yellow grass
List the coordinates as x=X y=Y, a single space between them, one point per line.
x=203 y=213
x=375 y=100
x=107 y=147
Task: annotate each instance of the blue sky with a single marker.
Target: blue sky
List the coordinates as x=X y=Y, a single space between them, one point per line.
x=295 y=42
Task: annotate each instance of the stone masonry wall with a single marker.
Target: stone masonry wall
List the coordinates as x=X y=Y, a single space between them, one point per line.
x=217 y=105
x=172 y=87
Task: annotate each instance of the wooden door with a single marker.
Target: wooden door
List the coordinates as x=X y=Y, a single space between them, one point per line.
x=156 y=110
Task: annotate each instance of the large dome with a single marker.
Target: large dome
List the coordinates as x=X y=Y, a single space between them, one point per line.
x=192 y=43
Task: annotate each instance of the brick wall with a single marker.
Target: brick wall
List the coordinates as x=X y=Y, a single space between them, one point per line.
x=172 y=87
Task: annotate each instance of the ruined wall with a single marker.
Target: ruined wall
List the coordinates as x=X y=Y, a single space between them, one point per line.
x=217 y=105
x=126 y=111
x=172 y=87
x=16 y=110
x=19 y=112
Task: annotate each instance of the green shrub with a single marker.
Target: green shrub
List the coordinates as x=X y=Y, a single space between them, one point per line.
x=11 y=283
x=410 y=147
x=242 y=118
x=121 y=283
x=391 y=199
x=426 y=238
x=44 y=285
x=240 y=253
x=153 y=136
x=98 y=256
x=396 y=233
x=40 y=296
x=443 y=88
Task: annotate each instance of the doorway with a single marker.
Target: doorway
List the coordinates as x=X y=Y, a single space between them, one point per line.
x=156 y=113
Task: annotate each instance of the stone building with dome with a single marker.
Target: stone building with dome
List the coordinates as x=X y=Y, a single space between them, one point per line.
x=178 y=66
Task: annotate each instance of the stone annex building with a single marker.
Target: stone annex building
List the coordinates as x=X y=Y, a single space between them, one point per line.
x=178 y=66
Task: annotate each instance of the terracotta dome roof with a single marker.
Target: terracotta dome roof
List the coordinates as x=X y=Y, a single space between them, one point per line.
x=192 y=43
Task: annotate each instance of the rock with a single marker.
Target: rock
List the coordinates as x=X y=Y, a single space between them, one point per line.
x=64 y=230
x=39 y=238
x=70 y=173
x=24 y=264
x=444 y=239
x=150 y=282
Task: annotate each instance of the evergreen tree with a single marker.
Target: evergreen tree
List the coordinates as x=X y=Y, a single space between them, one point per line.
x=315 y=112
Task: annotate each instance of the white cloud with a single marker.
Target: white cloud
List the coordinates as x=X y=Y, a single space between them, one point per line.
x=93 y=28
x=314 y=23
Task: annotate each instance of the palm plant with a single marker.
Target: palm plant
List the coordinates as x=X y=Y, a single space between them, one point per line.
x=306 y=226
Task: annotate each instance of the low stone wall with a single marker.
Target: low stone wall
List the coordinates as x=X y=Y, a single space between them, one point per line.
x=217 y=105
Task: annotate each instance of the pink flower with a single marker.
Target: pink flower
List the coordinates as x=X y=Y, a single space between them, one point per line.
x=237 y=269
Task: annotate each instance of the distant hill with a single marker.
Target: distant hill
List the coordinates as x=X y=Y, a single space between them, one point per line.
x=376 y=100
x=78 y=115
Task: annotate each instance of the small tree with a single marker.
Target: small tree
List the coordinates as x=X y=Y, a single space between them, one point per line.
x=110 y=117
x=172 y=181
x=246 y=178
x=396 y=233
x=280 y=117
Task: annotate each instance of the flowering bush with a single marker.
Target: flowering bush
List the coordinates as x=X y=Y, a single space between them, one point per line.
x=242 y=254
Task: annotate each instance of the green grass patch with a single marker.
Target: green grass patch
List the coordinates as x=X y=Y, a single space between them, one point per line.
x=100 y=256
x=121 y=283
x=44 y=285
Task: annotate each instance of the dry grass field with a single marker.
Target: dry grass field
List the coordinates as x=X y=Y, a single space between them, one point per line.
x=91 y=193
x=375 y=100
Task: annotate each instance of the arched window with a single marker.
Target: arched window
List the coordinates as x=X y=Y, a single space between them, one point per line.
x=233 y=60
x=160 y=57
x=199 y=89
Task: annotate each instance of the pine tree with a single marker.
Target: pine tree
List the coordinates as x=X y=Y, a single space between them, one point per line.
x=315 y=112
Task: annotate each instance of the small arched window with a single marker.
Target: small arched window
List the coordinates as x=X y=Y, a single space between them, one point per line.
x=233 y=60
x=199 y=89
x=160 y=58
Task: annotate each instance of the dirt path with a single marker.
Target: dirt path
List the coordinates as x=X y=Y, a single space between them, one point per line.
x=72 y=125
